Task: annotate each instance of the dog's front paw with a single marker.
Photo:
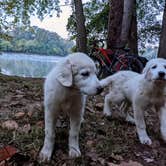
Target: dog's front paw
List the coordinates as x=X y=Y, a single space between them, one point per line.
x=130 y=119
x=45 y=155
x=145 y=140
x=74 y=152
x=164 y=136
x=163 y=133
x=107 y=112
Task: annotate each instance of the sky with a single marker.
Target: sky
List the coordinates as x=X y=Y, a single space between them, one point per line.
x=54 y=24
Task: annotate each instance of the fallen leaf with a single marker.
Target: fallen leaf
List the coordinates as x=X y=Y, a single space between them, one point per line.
x=19 y=92
x=7 y=152
x=101 y=160
x=19 y=96
x=130 y=163
x=99 y=105
x=138 y=154
x=64 y=164
x=30 y=107
x=112 y=164
x=14 y=103
x=123 y=163
x=26 y=128
x=10 y=125
x=149 y=160
x=38 y=106
x=117 y=157
x=30 y=113
x=19 y=114
x=40 y=124
x=93 y=156
x=89 y=143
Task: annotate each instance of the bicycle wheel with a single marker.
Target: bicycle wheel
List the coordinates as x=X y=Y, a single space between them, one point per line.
x=98 y=65
x=135 y=64
x=120 y=64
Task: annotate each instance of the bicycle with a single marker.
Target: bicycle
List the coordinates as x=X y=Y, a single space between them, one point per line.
x=108 y=61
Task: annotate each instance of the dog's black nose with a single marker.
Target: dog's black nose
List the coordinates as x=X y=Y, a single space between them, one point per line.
x=161 y=74
x=99 y=89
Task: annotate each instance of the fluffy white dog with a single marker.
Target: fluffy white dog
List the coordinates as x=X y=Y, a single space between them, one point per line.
x=65 y=90
x=142 y=91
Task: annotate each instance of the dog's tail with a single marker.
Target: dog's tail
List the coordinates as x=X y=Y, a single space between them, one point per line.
x=106 y=81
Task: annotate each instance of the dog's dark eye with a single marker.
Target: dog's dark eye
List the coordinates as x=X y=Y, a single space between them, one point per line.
x=165 y=66
x=85 y=74
x=153 y=67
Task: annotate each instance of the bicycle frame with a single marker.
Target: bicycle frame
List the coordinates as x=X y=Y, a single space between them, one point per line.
x=109 y=61
x=106 y=53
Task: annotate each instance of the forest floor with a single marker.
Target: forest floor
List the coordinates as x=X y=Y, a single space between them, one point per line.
x=103 y=141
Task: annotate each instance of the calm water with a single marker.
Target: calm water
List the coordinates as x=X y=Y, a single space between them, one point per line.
x=27 y=65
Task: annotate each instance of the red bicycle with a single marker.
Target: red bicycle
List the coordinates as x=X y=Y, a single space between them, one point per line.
x=108 y=61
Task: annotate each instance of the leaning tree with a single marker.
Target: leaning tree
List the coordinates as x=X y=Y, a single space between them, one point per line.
x=162 y=44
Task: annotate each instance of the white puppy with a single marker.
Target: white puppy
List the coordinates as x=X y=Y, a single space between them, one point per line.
x=65 y=90
x=142 y=91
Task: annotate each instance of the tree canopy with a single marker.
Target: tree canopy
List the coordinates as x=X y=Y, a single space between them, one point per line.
x=96 y=14
x=16 y=12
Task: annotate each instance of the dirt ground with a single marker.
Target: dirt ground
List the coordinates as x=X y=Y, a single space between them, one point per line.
x=103 y=141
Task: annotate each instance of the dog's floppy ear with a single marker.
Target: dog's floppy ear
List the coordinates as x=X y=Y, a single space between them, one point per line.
x=65 y=75
x=147 y=72
x=146 y=68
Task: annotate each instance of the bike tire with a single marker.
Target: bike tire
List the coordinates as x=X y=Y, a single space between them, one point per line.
x=98 y=65
x=121 y=64
x=129 y=63
x=135 y=64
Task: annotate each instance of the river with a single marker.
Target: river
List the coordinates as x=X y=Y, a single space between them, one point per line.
x=37 y=66
x=27 y=65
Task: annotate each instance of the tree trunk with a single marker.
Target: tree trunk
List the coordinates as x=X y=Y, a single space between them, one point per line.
x=114 y=22
x=126 y=21
x=162 y=45
x=81 y=30
x=133 y=37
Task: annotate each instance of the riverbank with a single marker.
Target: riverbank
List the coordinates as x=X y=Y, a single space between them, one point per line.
x=103 y=141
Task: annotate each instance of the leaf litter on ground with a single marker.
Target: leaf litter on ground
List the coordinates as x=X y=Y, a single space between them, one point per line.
x=103 y=141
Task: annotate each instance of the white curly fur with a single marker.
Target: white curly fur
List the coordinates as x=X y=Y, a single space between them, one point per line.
x=142 y=91
x=65 y=90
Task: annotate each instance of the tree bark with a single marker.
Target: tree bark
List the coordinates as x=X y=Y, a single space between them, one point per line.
x=126 y=21
x=81 y=30
x=114 y=22
x=162 y=43
x=133 y=36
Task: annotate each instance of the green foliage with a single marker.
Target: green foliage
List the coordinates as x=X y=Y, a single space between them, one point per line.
x=96 y=14
x=36 y=40
x=5 y=45
x=16 y=12
x=149 y=22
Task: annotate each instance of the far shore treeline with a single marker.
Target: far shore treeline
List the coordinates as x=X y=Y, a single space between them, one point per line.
x=35 y=41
